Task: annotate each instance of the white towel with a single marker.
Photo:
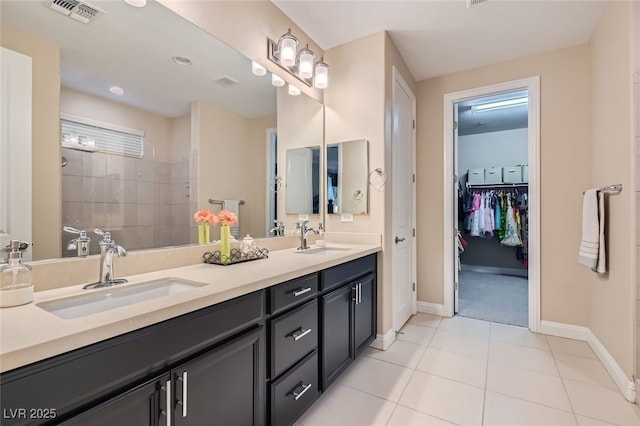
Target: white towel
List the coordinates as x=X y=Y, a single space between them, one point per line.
x=233 y=206
x=592 y=250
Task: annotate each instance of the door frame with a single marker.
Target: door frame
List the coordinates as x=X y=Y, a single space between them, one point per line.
x=532 y=84
x=272 y=182
x=397 y=77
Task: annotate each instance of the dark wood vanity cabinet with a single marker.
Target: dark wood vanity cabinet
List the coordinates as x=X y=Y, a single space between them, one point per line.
x=257 y=360
x=348 y=315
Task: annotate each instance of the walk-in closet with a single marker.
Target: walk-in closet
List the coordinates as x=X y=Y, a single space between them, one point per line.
x=492 y=208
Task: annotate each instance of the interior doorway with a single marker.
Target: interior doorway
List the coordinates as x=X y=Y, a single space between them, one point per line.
x=491 y=207
x=492 y=147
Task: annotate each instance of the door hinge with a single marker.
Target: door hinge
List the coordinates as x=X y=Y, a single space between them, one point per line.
x=455 y=125
x=414 y=124
x=455 y=286
x=414 y=232
x=414 y=178
x=414 y=286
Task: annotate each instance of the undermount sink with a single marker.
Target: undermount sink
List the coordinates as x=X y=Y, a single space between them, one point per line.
x=115 y=297
x=323 y=250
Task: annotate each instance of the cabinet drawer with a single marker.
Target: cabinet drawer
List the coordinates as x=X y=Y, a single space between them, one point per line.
x=292 y=292
x=341 y=274
x=293 y=336
x=292 y=394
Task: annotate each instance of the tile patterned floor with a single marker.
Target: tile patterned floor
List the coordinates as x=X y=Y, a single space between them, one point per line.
x=462 y=371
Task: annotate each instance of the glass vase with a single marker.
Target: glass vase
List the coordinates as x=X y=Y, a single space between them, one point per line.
x=203 y=233
x=225 y=242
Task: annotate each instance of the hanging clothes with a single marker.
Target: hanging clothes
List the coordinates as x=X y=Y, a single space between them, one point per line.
x=512 y=234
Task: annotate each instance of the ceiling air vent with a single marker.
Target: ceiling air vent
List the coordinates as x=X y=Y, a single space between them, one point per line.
x=472 y=3
x=225 y=81
x=78 y=10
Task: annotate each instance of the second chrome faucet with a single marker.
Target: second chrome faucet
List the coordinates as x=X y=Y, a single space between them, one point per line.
x=108 y=250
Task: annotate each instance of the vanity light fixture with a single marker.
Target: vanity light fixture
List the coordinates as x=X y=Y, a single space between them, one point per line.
x=293 y=90
x=258 y=69
x=276 y=80
x=299 y=64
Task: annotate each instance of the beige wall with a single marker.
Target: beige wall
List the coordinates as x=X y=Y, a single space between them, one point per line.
x=564 y=162
x=46 y=183
x=612 y=161
x=245 y=26
x=229 y=163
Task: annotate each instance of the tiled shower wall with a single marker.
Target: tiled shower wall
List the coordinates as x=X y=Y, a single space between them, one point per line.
x=144 y=202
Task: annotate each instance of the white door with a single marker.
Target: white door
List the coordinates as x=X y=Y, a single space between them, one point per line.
x=15 y=148
x=299 y=177
x=403 y=202
x=456 y=183
x=273 y=184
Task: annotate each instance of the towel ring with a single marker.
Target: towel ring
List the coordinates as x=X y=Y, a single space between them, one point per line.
x=377 y=178
x=277 y=184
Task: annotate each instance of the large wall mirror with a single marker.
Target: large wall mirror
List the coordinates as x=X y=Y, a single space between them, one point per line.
x=211 y=128
x=347 y=177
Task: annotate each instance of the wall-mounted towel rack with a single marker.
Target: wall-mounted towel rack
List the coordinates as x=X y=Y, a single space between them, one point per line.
x=610 y=188
x=221 y=202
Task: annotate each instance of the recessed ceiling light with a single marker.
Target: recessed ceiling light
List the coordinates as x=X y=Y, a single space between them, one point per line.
x=136 y=3
x=181 y=60
x=116 y=90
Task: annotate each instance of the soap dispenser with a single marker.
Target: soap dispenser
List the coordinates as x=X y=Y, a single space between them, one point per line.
x=16 y=287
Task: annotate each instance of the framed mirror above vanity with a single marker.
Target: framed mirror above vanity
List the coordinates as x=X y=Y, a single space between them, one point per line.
x=347 y=177
x=207 y=124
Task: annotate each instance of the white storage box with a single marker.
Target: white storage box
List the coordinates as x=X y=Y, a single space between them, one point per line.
x=475 y=176
x=493 y=175
x=512 y=174
x=525 y=173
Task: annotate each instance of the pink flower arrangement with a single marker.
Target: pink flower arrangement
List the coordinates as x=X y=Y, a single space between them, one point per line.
x=227 y=218
x=205 y=216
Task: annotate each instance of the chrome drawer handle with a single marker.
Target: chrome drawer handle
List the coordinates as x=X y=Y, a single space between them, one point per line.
x=298 y=395
x=301 y=291
x=300 y=333
x=169 y=402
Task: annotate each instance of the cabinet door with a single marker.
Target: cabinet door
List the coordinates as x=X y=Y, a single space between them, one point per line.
x=140 y=406
x=337 y=348
x=365 y=313
x=225 y=386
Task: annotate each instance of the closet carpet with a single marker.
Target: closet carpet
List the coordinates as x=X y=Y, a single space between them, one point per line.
x=494 y=297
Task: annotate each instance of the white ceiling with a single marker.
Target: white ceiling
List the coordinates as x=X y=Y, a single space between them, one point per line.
x=132 y=48
x=444 y=36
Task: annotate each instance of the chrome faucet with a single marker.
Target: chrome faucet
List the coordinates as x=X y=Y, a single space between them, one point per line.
x=302 y=227
x=278 y=230
x=81 y=243
x=108 y=249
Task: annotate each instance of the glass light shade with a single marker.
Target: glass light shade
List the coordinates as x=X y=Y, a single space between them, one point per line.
x=321 y=79
x=287 y=47
x=293 y=90
x=305 y=64
x=258 y=69
x=276 y=80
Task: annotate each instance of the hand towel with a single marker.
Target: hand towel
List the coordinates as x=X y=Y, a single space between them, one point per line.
x=233 y=206
x=592 y=251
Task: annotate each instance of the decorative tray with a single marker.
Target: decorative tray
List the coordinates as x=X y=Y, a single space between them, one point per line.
x=236 y=256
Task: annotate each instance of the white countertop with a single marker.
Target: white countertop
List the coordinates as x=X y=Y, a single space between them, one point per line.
x=30 y=334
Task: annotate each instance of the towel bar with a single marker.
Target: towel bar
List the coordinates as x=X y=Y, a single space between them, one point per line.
x=610 y=188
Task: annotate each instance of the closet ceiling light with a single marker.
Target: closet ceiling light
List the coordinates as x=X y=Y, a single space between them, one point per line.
x=299 y=64
x=181 y=60
x=501 y=104
x=136 y=3
x=116 y=90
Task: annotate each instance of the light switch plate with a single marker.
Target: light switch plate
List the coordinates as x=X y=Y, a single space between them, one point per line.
x=346 y=217
x=303 y=217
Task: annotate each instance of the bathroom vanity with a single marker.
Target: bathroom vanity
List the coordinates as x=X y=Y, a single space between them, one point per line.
x=258 y=358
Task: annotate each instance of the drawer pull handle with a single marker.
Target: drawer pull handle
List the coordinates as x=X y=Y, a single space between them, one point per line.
x=300 y=333
x=301 y=291
x=169 y=402
x=183 y=403
x=298 y=395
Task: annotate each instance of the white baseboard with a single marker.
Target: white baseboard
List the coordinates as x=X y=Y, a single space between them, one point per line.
x=383 y=341
x=626 y=386
x=431 y=308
